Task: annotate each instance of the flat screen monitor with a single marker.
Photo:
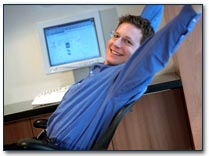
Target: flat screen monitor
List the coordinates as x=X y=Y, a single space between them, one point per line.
x=72 y=42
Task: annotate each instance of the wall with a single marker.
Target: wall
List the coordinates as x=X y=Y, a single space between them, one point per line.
x=24 y=75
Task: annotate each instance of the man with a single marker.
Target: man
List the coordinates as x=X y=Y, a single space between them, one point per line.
x=134 y=55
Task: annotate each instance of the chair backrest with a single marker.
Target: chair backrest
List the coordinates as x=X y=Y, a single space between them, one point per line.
x=104 y=141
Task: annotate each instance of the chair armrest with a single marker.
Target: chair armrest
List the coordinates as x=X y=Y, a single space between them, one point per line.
x=34 y=144
x=40 y=123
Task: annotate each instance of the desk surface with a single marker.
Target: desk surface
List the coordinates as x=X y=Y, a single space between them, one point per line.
x=24 y=109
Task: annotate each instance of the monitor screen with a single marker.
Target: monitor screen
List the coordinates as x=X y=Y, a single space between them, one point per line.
x=72 y=43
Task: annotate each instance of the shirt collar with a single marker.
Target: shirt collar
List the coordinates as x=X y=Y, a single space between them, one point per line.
x=98 y=67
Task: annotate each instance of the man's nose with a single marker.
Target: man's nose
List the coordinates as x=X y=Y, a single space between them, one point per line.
x=118 y=42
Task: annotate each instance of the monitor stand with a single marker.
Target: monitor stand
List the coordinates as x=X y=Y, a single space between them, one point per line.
x=80 y=73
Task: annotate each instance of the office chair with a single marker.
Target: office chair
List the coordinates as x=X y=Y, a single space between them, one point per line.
x=41 y=143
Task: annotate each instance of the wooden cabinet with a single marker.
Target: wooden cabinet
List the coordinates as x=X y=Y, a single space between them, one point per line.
x=189 y=62
x=158 y=122
x=191 y=75
x=13 y=131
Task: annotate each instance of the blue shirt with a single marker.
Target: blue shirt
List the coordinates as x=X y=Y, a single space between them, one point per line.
x=89 y=105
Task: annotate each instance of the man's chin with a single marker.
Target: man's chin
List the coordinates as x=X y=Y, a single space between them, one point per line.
x=112 y=63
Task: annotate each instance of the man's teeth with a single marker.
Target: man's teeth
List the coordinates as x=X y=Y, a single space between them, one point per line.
x=116 y=53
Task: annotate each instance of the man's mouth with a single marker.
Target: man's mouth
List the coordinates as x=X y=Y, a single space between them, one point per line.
x=116 y=53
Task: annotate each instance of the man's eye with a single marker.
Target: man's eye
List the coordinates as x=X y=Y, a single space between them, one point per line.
x=128 y=42
x=116 y=36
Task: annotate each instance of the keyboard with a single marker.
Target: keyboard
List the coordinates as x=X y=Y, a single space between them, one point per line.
x=50 y=96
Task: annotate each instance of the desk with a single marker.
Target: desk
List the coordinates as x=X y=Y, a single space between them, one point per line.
x=24 y=109
x=19 y=117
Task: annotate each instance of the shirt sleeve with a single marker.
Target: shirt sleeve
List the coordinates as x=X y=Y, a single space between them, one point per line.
x=154 y=54
x=154 y=13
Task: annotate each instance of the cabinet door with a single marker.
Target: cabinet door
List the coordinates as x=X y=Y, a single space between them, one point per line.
x=158 y=122
x=13 y=131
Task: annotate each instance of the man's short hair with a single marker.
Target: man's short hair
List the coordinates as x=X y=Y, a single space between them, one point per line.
x=140 y=22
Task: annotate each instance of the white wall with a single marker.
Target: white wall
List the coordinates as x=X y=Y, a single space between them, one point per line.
x=24 y=75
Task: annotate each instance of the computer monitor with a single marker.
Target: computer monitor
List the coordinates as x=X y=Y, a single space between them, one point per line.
x=72 y=42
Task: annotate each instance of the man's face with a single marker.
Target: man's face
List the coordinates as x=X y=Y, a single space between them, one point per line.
x=123 y=44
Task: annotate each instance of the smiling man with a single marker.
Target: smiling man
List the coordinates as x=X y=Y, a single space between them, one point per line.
x=128 y=36
x=134 y=56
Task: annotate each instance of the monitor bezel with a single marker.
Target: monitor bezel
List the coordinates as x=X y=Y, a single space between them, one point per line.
x=71 y=19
